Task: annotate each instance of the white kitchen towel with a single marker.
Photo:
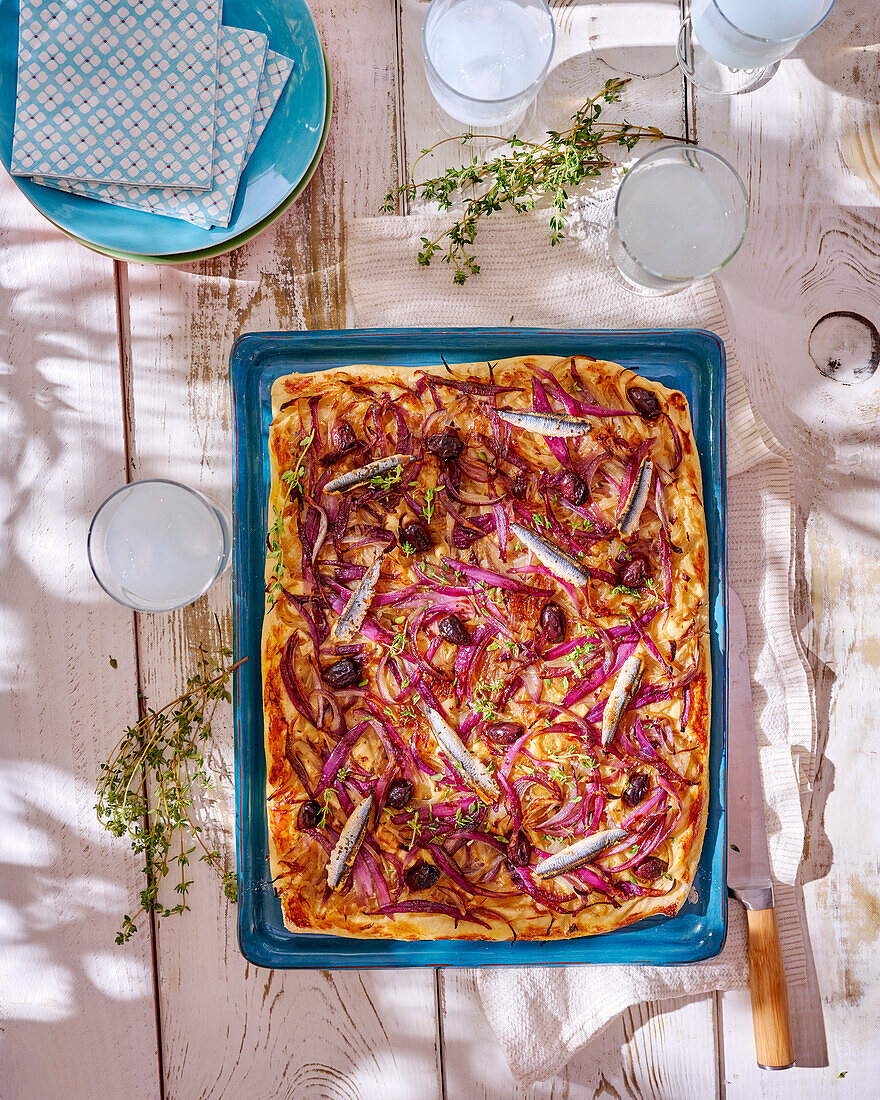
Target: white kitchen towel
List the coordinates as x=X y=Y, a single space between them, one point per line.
x=543 y=1016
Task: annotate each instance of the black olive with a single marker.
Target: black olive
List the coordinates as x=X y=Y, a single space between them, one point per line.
x=417 y=535
x=399 y=793
x=309 y=815
x=519 y=851
x=635 y=790
x=651 y=868
x=519 y=486
x=644 y=402
x=573 y=489
x=422 y=876
x=453 y=630
x=633 y=573
x=504 y=733
x=342 y=438
x=445 y=444
x=553 y=622
x=343 y=674
x=463 y=537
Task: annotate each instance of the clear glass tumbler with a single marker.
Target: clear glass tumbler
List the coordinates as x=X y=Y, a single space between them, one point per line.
x=156 y=545
x=731 y=46
x=485 y=60
x=680 y=214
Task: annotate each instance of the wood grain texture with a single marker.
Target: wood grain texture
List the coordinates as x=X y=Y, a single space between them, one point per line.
x=771 y=1019
x=64 y=883
x=229 y=1029
x=812 y=249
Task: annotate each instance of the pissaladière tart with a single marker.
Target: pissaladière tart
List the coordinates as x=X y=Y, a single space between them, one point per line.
x=485 y=651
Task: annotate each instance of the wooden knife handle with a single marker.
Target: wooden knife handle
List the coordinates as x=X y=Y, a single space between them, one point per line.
x=770 y=1014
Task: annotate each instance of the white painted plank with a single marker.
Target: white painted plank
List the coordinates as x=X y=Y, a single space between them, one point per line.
x=835 y=1015
x=228 y=1029
x=78 y=1013
x=811 y=250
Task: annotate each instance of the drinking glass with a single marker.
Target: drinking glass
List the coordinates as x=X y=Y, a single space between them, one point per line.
x=486 y=59
x=731 y=46
x=156 y=545
x=680 y=214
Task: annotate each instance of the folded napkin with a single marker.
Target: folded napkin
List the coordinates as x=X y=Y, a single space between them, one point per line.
x=118 y=92
x=542 y=1016
x=244 y=78
x=275 y=76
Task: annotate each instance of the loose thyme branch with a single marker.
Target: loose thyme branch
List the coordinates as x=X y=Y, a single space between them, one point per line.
x=520 y=178
x=164 y=750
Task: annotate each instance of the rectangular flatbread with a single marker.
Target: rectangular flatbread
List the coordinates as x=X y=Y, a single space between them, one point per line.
x=485 y=655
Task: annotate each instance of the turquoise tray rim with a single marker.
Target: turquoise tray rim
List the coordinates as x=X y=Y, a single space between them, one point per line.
x=699 y=929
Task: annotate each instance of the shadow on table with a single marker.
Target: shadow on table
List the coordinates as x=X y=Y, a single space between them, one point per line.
x=78 y=1012
x=842 y=52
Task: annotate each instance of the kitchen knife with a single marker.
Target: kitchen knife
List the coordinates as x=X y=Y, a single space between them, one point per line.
x=748 y=860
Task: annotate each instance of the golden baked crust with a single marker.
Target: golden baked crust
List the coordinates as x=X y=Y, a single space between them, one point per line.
x=317 y=541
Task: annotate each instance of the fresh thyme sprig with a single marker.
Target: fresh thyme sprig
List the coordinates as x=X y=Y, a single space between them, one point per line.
x=146 y=789
x=387 y=481
x=293 y=479
x=429 y=506
x=275 y=553
x=520 y=177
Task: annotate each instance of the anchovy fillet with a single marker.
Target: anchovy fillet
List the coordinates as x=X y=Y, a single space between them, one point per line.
x=556 y=560
x=355 y=611
x=474 y=772
x=635 y=502
x=348 y=481
x=625 y=687
x=579 y=853
x=347 y=847
x=547 y=423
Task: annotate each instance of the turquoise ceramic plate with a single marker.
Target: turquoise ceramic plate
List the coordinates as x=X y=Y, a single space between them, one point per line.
x=248 y=235
x=284 y=154
x=686 y=359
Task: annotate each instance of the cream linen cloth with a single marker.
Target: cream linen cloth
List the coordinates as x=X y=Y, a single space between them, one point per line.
x=543 y=1016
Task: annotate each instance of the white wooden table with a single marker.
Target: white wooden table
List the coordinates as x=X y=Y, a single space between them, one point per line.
x=115 y=372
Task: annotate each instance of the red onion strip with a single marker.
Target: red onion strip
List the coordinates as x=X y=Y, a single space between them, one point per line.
x=430 y=907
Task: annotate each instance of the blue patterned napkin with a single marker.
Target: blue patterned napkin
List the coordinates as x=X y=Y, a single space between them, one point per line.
x=117 y=90
x=275 y=76
x=248 y=91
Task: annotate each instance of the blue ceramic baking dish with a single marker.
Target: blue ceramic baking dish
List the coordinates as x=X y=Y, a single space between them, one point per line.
x=690 y=360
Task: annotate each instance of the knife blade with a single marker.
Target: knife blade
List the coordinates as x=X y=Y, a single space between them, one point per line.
x=748 y=858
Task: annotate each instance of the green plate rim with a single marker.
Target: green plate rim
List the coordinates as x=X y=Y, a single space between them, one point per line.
x=233 y=242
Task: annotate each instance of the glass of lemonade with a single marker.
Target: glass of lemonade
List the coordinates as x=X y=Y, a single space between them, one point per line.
x=157 y=545
x=680 y=214
x=486 y=59
x=731 y=46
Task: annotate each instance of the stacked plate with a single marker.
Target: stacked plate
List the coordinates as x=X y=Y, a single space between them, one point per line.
x=280 y=167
